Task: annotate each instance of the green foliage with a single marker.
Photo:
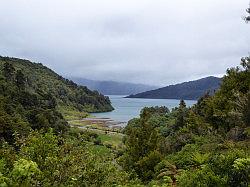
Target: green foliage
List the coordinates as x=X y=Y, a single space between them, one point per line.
x=241 y=172
x=30 y=94
x=22 y=109
x=20 y=79
x=52 y=160
x=182 y=112
x=8 y=71
x=205 y=145
x=145 y=165
x=70 y=113
x=40 y=79
x=24 y=173
x=142 y=152
x=203 y=177
x=166 y=172
x=230 y=105
x=221 y=170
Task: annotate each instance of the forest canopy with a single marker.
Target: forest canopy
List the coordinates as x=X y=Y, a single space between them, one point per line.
x=41 y=80
x=203 y=145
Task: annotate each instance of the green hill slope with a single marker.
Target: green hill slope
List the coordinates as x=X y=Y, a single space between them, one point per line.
x=188 y=90
x=66 y=93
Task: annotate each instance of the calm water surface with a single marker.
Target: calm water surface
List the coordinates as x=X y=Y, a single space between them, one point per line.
x=128 y=108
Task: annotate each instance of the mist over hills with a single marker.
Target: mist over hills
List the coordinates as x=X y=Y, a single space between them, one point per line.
x=113 y=87
x=191 y=90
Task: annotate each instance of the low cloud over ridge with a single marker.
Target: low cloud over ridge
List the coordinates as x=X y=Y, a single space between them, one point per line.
x=154 y=42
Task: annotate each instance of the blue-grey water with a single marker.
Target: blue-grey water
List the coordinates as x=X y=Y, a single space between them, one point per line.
x=128 y=108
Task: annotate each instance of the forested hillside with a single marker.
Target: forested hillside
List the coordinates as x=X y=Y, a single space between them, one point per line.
x=42 y=80
x=187 y=90
x=37 y=146
x=205 y=145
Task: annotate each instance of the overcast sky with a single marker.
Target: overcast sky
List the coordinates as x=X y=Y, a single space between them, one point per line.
x=157 y=42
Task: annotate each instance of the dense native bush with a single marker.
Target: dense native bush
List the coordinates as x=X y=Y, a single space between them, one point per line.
x=51 y=160
x=40 y=79
x=205 y=145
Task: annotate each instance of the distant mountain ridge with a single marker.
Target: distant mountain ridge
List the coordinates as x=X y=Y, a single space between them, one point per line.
x=191 y=90
x=113 y=87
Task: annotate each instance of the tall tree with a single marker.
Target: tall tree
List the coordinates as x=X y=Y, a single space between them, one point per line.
x=182 y=113
x=142 y=146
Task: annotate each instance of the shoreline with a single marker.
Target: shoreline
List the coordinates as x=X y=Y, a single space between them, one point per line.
x=103 y=122
x=107 y=122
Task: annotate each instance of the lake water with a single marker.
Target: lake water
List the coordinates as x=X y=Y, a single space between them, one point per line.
x=128 y=108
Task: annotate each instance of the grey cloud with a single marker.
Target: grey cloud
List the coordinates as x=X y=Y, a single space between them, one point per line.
x=151 y=41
